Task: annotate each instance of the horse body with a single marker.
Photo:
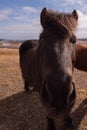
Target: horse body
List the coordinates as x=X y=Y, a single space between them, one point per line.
x=81 y=53
x=28 y=54
x=49 y=65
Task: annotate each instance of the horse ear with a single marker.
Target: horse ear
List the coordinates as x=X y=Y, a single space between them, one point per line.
x=43 y=17
x=75 y=14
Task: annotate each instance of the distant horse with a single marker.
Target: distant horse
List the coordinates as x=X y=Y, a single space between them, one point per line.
x=81 y=56
x=48 y=66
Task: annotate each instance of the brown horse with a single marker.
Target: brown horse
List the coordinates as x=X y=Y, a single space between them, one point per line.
x=49 y=65
x=81 y=56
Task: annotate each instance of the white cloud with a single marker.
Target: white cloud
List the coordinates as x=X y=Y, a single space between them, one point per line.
x=82 y=25
x=6 y=11
x=3 y=17
x=4 y=14
x=69 y=1
x=30 y=9
x=82 y=19
x=21 y=32
x=21 y=24
x=25 y=23
x=73 y=2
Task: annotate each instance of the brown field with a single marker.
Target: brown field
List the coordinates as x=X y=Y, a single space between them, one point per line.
x=23 y=111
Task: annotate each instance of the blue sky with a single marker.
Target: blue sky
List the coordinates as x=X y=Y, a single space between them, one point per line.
x=20 y=19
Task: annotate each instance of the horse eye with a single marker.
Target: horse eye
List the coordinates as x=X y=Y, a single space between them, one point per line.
x=73 y=40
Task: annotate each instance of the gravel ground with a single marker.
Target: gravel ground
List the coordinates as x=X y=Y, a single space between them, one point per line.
x=20 y=110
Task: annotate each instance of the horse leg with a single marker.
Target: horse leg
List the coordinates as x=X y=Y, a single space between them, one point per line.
x=26 y=85
x=69 y=122
x=50 y=124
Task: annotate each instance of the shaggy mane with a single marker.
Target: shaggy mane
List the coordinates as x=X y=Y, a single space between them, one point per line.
x=60 y=22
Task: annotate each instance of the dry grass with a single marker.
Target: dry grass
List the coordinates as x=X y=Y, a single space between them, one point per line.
x=5 y=51
x=9 y=72
x=23 y=111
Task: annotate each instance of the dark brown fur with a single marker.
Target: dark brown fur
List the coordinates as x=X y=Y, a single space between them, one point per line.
x=48 y=66
x=81 y=57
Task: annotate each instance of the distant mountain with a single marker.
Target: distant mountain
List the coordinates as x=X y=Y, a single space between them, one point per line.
x=17 y=41
x=4 y=43
x=21 y=41
x=82 y=39
x=6 y=40
x=1 y=39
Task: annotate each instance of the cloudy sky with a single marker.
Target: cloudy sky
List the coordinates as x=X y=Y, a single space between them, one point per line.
x=19 y=19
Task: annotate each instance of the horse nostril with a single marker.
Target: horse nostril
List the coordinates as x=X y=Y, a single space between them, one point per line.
x=72 y=95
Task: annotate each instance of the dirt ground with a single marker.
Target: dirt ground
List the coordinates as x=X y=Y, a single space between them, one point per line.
x=20 y=110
